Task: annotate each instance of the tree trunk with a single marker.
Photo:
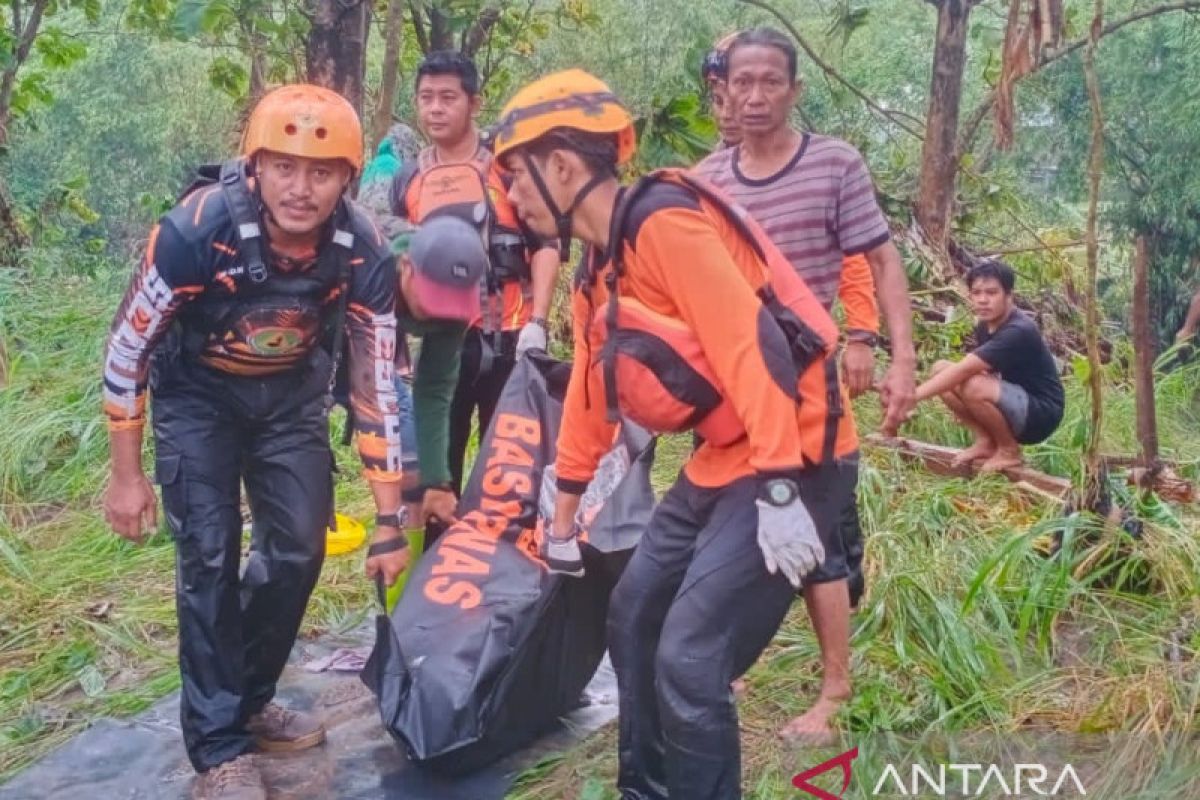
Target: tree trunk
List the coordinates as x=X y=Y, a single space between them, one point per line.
x=1143 y=350
x=939 y=156
x=336 y=49
x=258 y=70
x=13 y=237
x=1094 y=489
x=393 y=39
x=440 y=35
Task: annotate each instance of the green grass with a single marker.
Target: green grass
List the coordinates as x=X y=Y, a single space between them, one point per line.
x=87 y=620
x=968 y=625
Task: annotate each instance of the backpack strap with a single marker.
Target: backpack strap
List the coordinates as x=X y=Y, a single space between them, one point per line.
x=802 y=340
x=243 y=209
x=833 y=408
x=400 y=185
x=616 y=245
x=804 y=343
x=338 y=251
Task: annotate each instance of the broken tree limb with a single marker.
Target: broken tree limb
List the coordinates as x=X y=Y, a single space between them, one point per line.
x=1165 y=483
x=938 y=459
x=980 y=113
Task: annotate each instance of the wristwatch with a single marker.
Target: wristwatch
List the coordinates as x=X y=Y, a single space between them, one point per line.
x=539 y=321
x=779 y=492
x=396 y=520
x=862 y=337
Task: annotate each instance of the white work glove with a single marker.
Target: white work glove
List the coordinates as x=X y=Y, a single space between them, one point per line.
x=533 y=337
x=562 y=556
x=788 y=539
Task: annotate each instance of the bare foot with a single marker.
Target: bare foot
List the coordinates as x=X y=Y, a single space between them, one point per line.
x=1002 y=460
x=812 y=728
x=977 y=452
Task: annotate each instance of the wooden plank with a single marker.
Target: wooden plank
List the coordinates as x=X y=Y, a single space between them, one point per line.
x=938 y=459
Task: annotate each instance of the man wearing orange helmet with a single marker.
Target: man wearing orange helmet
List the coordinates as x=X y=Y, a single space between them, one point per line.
x=241 y=298
x=685 y=315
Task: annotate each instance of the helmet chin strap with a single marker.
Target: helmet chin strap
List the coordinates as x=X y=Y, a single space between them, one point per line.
x=562 y=219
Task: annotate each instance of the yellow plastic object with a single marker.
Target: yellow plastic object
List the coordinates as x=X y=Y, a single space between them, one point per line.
x=347 y=537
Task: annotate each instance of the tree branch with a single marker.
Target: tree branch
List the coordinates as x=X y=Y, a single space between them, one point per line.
x=474 y=36
x=419 y=25
x=971 y=127
x=899 y=118
x=31 y=29
x=25 y=43
x=1040 y=248
x=492 y=66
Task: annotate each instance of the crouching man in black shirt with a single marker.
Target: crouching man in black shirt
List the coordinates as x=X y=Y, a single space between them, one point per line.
x=1007 y=390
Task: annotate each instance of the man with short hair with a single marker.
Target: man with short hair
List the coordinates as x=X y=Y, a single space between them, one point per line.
x=241 y=298
x=815 y=198
x=1007 y=391
x=855 y=290
x=519 y=284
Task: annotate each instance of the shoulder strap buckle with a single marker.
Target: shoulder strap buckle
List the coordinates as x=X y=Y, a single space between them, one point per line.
x=243 y=208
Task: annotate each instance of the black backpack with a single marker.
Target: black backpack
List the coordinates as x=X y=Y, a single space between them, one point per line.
x=243 y=207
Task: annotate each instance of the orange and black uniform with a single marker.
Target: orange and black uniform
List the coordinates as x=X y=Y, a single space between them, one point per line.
x=695 y=607
x=490 y=346
x=238 y=380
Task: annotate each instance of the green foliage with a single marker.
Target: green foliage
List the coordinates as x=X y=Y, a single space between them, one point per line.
x=679 y=133
x=1152 y=128
x=969 y=624
x=269 y=32
x=53 y=49
x=80 y=168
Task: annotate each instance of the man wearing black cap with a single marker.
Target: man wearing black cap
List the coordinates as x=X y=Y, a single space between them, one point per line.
x=438 y=280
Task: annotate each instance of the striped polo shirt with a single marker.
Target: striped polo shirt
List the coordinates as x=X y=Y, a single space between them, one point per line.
x=820 y=207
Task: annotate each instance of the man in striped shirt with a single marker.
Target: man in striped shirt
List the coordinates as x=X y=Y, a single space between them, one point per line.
x=815 y=198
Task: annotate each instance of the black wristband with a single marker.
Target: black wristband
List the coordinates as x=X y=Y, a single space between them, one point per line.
x=387 y=546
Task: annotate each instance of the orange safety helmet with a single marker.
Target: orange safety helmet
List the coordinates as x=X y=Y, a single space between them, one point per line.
x=568 y=99
x=308 y=121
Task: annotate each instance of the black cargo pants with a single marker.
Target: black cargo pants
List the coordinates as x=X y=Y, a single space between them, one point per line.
x=693 y=611
x=237 y=626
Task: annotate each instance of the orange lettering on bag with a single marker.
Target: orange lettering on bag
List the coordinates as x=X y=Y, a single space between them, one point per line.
x=500 y=481
x=455 y=561
x=514 y=426
x=447 y=592
x=467 y=538
x=505 y=451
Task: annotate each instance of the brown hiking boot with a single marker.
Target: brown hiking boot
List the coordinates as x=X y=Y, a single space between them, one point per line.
x=279 y=730
x=234 y=780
